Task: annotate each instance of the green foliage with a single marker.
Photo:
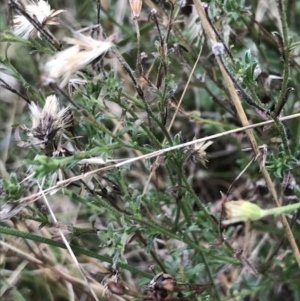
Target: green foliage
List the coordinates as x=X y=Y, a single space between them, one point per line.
x=280 y=163
x=117 y=204
x=244 y=71
x=13 y=190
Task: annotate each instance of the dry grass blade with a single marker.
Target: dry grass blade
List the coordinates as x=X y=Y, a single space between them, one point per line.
x=67 y=243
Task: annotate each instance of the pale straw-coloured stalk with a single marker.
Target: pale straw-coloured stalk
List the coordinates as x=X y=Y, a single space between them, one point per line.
x=66 y=242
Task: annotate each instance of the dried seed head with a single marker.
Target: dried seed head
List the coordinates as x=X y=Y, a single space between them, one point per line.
x=197 y=152
x=257 y=71
x=136 y=7
x=153 y=12
x=241 y=211
x=10 y=209
x=218 y=49
x=65 y=63
x=144 y=55
x=47 y=123
x=161 y=287
x=42 y=12
x=49 y=120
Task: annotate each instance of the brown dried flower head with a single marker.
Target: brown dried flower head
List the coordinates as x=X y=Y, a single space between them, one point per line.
x=64 y=64
x=47 y=125
x=42 y=12
x=197 y=152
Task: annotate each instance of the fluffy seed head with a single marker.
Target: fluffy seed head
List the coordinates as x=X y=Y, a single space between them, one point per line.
x=83 y=51
x=48 y=122
x=218 y=49
x=197 y=152
x=42 y=12
x=257 y=71
x=153 y=11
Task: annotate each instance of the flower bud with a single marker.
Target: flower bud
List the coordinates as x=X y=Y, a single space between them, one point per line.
x=136 y=6
x=241 y=211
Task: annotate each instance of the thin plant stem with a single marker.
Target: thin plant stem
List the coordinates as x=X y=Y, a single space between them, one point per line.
x=255 y=103
x=286 y=54
x=199 y=203
x=217 y=33
x=139 y=66
x=186 y=209
x=125 y=106
x=278 y=124
x=282 y=132
x=176 y=111
x=18 y=75
x=98 y=7
x=9 y=88
x=281 y=210
x=152 y=115
x=67 y=243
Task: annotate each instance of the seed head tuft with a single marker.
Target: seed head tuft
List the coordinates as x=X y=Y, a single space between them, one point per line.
x=218 y=49
x=47 y=125
x=197 y=152
x=83 y=51
x=42 y=12
x=153 y=11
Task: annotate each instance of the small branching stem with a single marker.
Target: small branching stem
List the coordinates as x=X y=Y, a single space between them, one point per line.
x=254 y=103
x=127 y=107
x=152 y=115
x=139 y=66
x=277 y=123
x=286 y=54
x=9 y=88
x=282 y=132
